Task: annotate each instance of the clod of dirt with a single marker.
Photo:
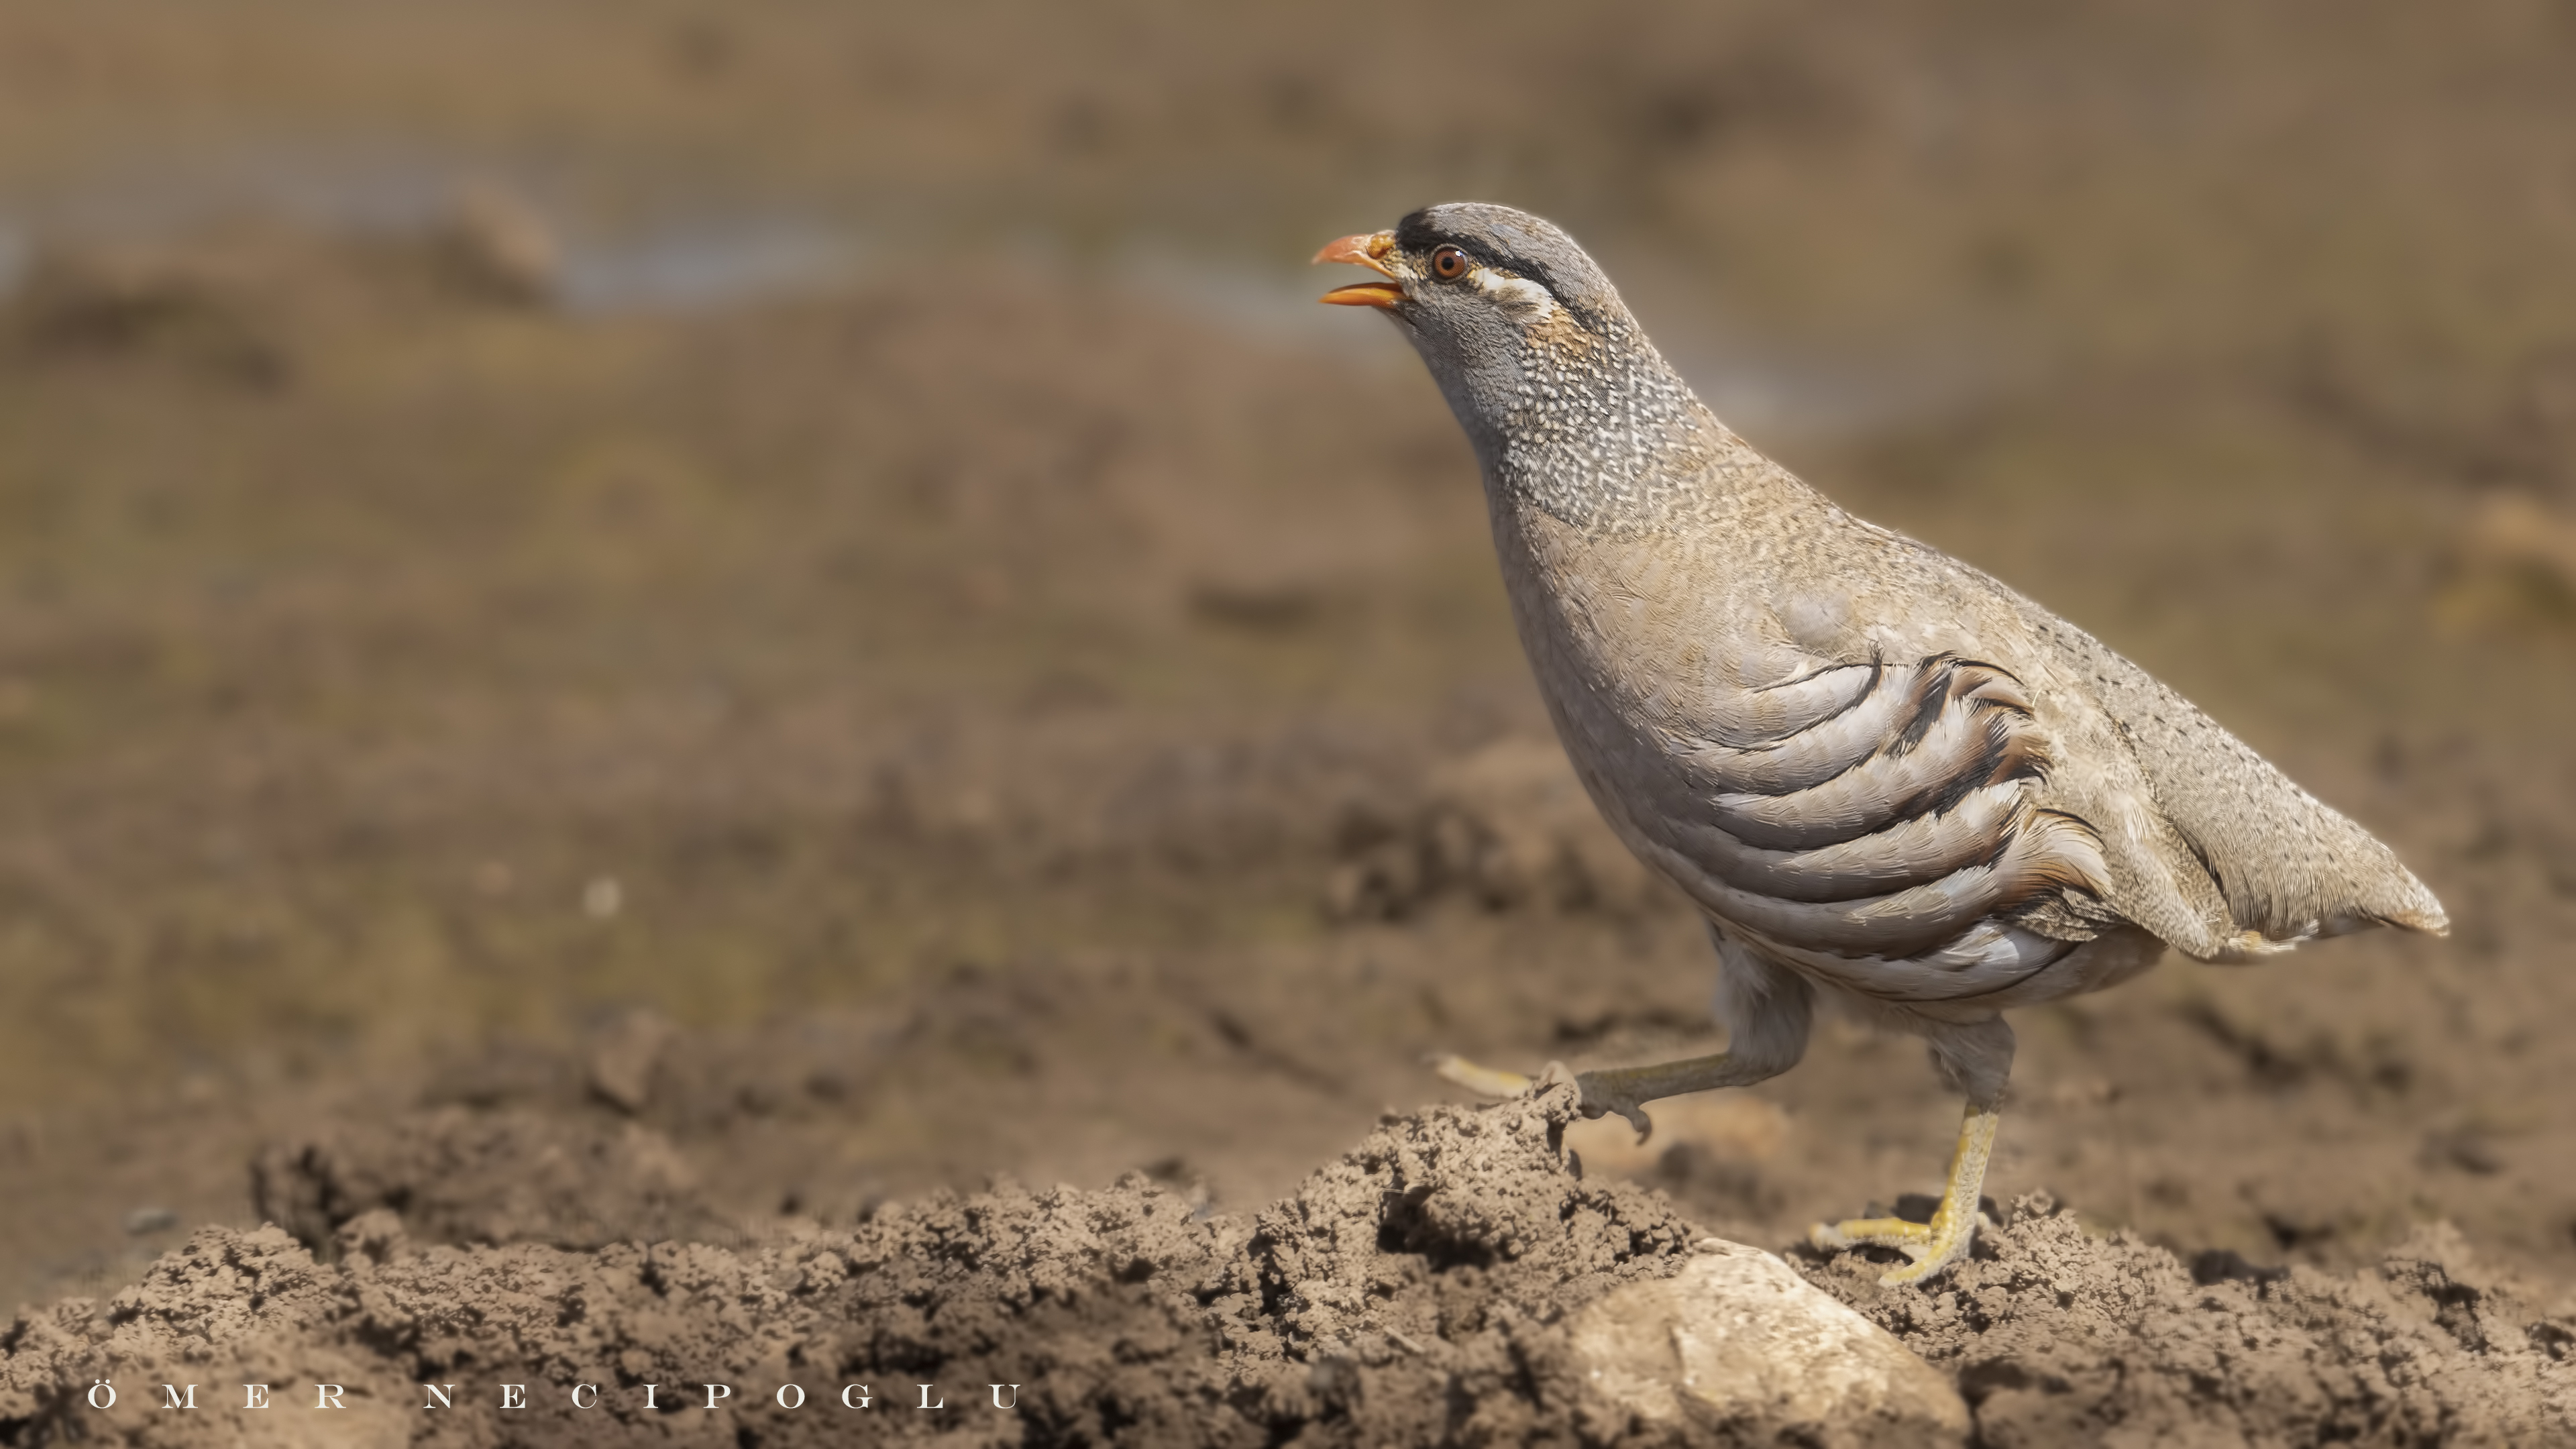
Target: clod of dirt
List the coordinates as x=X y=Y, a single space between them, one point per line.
x=2513 y=567
x=1427 y=1288
x=1508 y=825
x=623 y=1057
x=185 y=309
x=2060 y=1337
x=512 y=1176
x=498 y=246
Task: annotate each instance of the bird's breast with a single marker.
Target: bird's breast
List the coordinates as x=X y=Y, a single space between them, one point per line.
x=1648 y=637
x=1861 y=805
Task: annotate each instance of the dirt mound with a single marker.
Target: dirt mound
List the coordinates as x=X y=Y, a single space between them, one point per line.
x=1413 y=1292
x=2057 y=1336
x=1428 y=1288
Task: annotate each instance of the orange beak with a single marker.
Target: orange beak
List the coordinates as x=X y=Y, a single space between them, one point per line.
x=1369 y=252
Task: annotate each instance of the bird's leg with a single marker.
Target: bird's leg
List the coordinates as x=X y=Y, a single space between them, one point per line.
x=1624 y=1090
x=1937 y=1244
x=1766 y=1007
x=1976 y=1058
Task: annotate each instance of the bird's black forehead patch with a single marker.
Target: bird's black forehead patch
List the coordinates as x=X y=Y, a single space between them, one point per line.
x=1517 y=242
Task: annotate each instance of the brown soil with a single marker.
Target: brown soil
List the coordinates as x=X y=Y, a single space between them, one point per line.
x=2059 y=1336
x=1411 y=1293
x=1039 y=703
x=1417 y=1291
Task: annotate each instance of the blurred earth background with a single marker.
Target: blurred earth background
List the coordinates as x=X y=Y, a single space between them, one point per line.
x=809 y=577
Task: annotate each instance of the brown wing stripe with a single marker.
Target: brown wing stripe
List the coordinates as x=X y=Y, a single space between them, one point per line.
x=2050 y=851
x=1973 y=743
x=1909 y=852
x=1892 y=826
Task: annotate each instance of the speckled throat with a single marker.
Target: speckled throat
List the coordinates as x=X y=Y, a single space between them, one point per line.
x=1602 y=433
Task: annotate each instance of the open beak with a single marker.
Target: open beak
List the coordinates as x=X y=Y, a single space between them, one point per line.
x=1369 y=252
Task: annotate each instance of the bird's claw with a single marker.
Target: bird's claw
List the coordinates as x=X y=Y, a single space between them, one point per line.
x=1602 y=1100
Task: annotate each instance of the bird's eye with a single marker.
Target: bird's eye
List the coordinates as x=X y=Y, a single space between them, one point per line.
x=1448 y=264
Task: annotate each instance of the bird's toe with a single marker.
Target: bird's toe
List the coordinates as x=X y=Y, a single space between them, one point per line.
x=1484 y=1081
x=1944 y=1245
x=1929 y=1247
x=1895 y=1233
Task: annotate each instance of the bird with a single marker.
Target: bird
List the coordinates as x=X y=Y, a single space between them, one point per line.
x=1887 y=780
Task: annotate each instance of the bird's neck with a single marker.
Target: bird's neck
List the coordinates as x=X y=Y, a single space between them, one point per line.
x=1604 y=436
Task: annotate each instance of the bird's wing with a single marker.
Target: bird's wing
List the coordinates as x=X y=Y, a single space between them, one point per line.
x=2207 y=846
x=2261 y=862
x=1879 y=822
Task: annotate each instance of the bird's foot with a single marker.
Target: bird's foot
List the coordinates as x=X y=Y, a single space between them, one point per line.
x=1931 y=1246
x=1602 y=1092
x=1953 y=1230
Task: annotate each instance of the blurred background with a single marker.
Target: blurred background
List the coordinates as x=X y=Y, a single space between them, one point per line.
x=795 y=600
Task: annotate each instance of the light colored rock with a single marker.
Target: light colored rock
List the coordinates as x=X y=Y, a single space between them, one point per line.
x=1737 y=1343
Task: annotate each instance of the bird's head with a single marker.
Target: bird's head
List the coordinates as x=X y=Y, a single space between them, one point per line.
x=1541 y=362
x=1470 y=276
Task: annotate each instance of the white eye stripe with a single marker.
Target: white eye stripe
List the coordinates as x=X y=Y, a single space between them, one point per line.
x=1518 y=293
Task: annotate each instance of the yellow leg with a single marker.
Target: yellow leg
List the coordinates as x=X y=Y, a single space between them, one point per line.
x=1937 y=1244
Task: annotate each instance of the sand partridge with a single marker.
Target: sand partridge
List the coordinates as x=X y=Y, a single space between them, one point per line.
x=1882 y=775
